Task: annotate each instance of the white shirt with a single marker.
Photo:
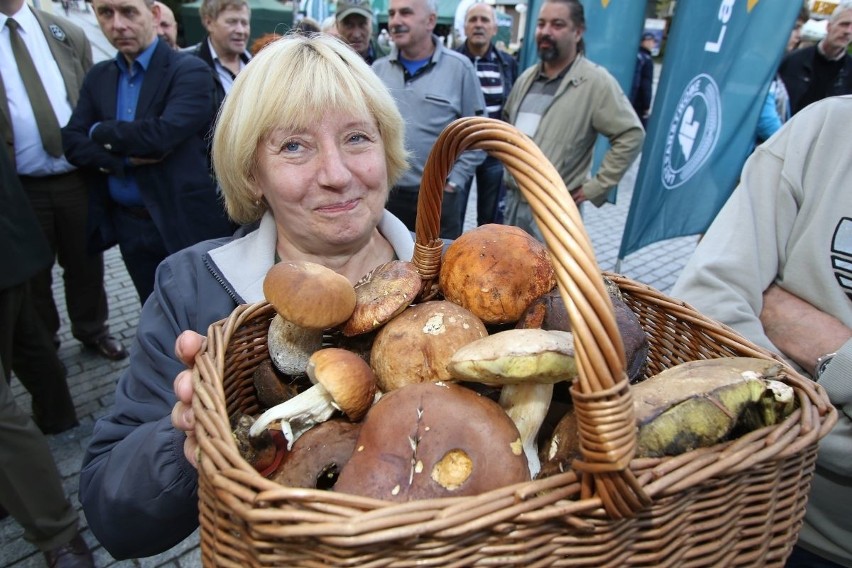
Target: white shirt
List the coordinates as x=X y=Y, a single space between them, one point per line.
x=30 y=155
x=226 y=76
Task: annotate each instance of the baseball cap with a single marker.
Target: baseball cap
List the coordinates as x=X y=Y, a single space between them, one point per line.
x=648 y=35
x=347 y=7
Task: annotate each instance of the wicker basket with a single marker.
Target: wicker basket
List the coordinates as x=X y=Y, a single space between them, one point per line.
x=735 y=504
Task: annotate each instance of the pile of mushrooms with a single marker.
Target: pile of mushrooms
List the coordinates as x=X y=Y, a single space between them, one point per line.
x=416 y=399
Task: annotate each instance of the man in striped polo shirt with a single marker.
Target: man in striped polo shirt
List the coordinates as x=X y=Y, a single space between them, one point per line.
x=497 y=71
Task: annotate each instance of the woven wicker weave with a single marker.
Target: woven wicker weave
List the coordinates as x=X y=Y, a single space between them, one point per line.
x=735 y=504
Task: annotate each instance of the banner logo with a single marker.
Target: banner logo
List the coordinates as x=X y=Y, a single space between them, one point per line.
x=693 y=132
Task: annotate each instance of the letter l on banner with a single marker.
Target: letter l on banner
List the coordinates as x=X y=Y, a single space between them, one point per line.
x=719 y=60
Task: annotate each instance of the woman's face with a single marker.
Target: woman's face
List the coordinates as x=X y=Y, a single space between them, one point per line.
x=326 y=184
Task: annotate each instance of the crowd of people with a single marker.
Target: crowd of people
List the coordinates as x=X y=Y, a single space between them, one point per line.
x=207 y=164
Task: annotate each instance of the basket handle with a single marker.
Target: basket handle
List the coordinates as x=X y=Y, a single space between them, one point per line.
x=601 y=395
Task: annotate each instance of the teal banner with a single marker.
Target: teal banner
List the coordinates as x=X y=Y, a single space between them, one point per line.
x=720 y=57
x=613 y=31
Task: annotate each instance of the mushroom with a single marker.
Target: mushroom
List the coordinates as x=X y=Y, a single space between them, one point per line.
x=526 y=362
x=318 y=455
x=430 y=440
x=270 y=386
x=416 y=345
x=309 y=295
x=263 y=452
x=291 y=346
x=549 y=312
x=343 y=381
x=381 y=295
x=496 y=271
x=307 y=298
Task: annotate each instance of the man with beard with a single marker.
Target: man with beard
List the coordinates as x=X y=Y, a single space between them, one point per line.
x=432 y=87
x=563 y=103
x=497 y=71
x=225 y=49
x=355 y=27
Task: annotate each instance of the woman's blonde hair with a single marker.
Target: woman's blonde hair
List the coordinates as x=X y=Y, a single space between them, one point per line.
x=291 y=84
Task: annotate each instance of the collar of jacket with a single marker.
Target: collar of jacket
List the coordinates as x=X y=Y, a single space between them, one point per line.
x=244 y=262
x=576 y=74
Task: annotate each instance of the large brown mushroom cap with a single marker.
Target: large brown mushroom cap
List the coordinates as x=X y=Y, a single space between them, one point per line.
x=318 y=455
x=496 y=271
x=381 y=295
x=433 y=440
x=309 y=295
x=416 y=345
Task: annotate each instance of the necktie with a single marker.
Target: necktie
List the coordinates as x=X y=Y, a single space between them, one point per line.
x=48 y=126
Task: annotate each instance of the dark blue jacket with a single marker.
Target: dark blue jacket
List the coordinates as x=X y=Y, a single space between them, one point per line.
x=174 y=116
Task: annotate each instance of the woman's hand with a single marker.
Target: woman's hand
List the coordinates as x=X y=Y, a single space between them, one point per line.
x=187 y=346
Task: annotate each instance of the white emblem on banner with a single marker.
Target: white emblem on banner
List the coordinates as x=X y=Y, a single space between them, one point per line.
x=693 y=132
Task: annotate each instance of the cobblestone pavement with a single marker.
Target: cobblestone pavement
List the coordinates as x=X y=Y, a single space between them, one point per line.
x=92 y=379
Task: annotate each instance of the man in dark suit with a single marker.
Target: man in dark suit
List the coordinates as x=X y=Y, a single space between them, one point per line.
x=30 y=485
x=139 y=130
x=43 y=60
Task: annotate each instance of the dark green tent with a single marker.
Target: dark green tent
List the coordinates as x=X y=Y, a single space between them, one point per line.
x=266 y=16
x=446 y=11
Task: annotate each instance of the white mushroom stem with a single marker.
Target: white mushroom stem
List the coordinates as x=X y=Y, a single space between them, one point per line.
x=297 y=415
x=527 y=405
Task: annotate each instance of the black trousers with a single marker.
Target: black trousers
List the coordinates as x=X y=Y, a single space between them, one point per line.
x=61 y=205
x=403 y=203
x=141 y=246
x=27 y=349
x=30 y=485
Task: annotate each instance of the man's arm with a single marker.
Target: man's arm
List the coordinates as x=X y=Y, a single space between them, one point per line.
x=188 y=110
x=801 y=331
x=472 y=104
x=615 y=118
x=79 y=149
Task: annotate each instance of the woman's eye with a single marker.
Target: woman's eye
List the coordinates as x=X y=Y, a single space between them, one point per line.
x=292 y=146
x=359 y=137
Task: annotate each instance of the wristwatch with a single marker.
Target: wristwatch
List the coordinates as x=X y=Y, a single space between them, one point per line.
x=821 y=365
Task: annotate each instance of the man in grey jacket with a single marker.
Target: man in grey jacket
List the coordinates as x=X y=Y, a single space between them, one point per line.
x=432 y=86
x=776 y=265
x=563 y=103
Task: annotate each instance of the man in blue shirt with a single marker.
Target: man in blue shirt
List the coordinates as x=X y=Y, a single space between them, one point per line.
x=139 y=133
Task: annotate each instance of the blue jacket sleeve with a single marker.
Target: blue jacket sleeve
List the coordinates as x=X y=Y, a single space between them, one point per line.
x=769 y=121
x=137 y=489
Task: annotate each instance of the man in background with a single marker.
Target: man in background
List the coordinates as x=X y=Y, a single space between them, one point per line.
x=355 y=27
x=167 y=30
x=822 y=70
x=432 y=87
x=563 y=103
x=497 y=71
x=641 y=91
x=225 y=49
x=43 y=60
x=775 y=266
x=139 y=132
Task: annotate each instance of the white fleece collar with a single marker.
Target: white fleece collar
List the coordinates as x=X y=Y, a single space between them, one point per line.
x=244 y=262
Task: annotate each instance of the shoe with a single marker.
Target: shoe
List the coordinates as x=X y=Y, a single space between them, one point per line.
x=49 y=430
x=73 y=554
x=108 y=347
